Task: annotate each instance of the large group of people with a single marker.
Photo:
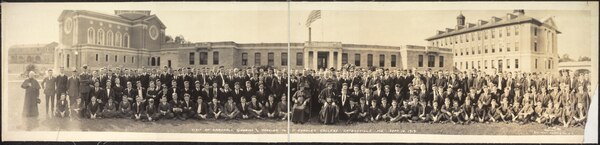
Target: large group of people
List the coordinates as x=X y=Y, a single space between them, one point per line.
x=330 y=96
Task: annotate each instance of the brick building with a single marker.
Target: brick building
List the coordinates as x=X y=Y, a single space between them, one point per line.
x=40 y=54
x=514 y=42
x=137 y=39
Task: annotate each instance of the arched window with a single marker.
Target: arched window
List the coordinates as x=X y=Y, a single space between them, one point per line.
x=126 y=40
x=29 y=59
x=109 y=38
x=153 y=62
x=100 y=40
x=91 y=37
x=118 y=40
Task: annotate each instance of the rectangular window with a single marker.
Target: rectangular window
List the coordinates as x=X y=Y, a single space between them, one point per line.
x=500 y=47
x=357 y=59
x=192 y=58
x=106 y=58
x=96 y=57
x=393 y=61
x=124 y=59
x=299 y=59
x=493 y=48
x=508 y=47
x=499 y=33
x=516 y=63
x=381 y=60
x=257 y=59
x=472 y=64
x=203 y=58
x=534 y=31
x=485 y=64
x=485 y=48
x=244 y=59
x=536 y=63
x=369 y=59
x=270 y=59
x=284 y=59
x=478 y=64
x=467 y=65
x=461 y=64
x=431 y=61
x=132 y=59
x=516 y=46
x=441 y=61
x=215 y=58
x=493 y=65
x=344 y=58
x=492 y=31
x=516 y=30
x=485 y=34
x=507 y=31
x=507 y=63
x=420 y=60
x=116 y=58
x=158 y=62
x=535 y=47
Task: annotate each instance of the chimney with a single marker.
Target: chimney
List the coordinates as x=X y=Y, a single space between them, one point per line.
x=519 y=12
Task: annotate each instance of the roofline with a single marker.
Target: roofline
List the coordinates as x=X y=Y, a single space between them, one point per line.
x=458 y=32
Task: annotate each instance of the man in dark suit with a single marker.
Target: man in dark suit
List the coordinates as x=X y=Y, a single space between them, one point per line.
x=100 y=95
x=187 y=107
x=130 y=92
x=344 y=101
x=73 y=87
x=85 y=85
x=109 y=92
x=237 y=93
x=61 y=83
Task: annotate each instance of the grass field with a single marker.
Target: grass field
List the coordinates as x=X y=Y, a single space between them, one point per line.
x=12 y=101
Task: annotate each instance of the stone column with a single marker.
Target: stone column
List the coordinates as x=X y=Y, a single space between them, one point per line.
x=315 y=63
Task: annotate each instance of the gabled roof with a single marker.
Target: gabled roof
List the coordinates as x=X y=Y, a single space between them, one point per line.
x=109 y=17
x=498 y=23
x=162 y=25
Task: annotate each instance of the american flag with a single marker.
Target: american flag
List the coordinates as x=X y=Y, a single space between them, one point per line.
x=314 y=15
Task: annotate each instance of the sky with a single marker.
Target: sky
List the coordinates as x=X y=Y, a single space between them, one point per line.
x=268 y=23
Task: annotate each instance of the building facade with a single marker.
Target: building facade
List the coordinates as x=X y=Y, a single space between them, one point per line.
x=40 y=54
x=514 y=42
x=137 y=39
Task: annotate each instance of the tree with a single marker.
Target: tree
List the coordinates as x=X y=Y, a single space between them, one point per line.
x=565 y=58
x=180 y=39
x=168 y=38
x=585 y=58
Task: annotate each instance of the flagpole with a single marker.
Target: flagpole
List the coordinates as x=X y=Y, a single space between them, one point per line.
x=309 y=35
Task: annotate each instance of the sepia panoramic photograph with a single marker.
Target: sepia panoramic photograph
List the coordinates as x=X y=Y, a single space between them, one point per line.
x=300 y=72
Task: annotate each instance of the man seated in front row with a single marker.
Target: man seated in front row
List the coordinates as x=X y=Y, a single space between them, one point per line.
x=164 y=109
x=201 y=109
x=62 y=107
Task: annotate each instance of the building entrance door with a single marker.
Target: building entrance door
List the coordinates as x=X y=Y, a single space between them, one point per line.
x=322 y=58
